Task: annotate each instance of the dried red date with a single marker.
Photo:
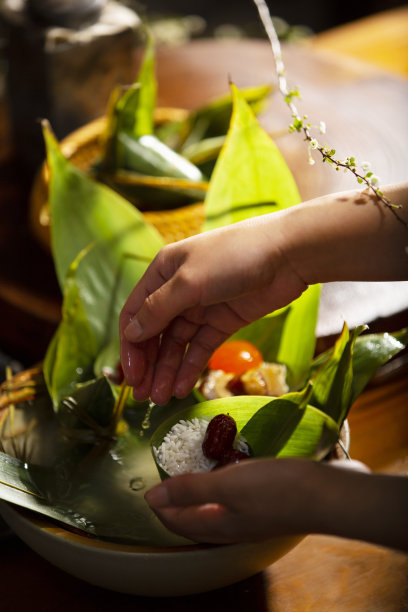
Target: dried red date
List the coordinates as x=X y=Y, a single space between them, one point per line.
x=236 y=386
x=220 y=436
x=232 y=455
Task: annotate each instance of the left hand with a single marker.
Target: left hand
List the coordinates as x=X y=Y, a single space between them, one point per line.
x=249 y=501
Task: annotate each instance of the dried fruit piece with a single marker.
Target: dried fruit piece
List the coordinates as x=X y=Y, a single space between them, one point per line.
x=268 y=379
x=232 y=455
x=220 y=436
x=236 y=386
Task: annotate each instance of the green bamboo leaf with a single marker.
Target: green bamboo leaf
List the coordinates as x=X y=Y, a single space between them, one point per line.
x=205 y=150
x=19 y=485
x=332 y=382
x=298 y=339
x=148 y=155
x=87 y=411
x=372 y=351
x=209 y=123
x=155 y=192
x=135 y=109
x=265 y=333
x=251 y=176
x=71 y=352
x=85 y=212
x=267 y=432
x=312 y=435
x=213 y=119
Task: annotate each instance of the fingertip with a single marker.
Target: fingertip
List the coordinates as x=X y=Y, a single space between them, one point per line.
x=140 y=394
x=133 y=331
x=133 y=363
x=158 y=496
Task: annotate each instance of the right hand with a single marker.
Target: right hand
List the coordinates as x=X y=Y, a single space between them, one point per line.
x=193 y=296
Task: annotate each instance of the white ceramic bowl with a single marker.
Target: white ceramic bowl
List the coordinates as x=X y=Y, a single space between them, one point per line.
x=146 y=571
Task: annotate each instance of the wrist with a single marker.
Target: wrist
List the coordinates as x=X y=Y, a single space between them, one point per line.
x=348 y=236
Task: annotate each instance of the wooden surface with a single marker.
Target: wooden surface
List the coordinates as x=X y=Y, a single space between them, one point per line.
x=380 y=39
x=322 y=573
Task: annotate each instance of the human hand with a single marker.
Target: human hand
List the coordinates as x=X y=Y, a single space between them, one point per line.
x=262 y=498
x=253 y=500
x=193 y=296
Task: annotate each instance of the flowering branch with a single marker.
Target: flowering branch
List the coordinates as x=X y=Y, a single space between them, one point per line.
x=301 y=125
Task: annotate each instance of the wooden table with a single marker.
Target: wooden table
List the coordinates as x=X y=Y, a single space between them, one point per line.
x=322 y=573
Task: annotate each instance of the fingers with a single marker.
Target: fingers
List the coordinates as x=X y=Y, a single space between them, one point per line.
x=201 y=347
x=216 y=506
x=172 y=351
x=183 y=505
x=160 y=307
x=209 y=523
x=187 y=490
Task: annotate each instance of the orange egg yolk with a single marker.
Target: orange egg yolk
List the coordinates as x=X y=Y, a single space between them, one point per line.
x=235 y=356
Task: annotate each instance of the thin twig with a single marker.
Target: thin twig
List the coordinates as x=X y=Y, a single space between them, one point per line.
x=300 y=125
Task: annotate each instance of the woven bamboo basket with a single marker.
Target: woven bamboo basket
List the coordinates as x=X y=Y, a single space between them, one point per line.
x=82 y=148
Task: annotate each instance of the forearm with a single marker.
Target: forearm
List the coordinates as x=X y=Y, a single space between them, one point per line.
x=348 y=236
x=351 y=504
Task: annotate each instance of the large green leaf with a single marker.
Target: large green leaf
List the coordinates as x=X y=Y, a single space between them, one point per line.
x=267 y=432
x=19 y=485
x=134 y=112
x=290 y=427
x=332 y=382
x=84 y=212
x=265 y=333
x=80 y=479
x=372 y=351
x=213 y=119
x=251 y=177
x=131 y=142
x=73 y=348
x=298 y=339
x=148 y=155
x=284 y=427
x=208 y=123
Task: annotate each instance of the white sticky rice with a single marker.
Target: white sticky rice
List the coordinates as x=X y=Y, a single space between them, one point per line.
x=181 y=450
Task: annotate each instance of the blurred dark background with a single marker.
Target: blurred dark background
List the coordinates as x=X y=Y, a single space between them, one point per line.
x=315 y=16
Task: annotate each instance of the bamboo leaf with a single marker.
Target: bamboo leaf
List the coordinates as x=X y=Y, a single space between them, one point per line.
x=265 y=333
x=84 y=212
x=372 y=351
x=71 y=353
x=267 y=432
x=19 y=485
x=213 y=119
x=284 y=427
x=332 y=383
x=298 y=339
x=251 y=177
x=156 y=192
x=135 y=109
x=148 y=155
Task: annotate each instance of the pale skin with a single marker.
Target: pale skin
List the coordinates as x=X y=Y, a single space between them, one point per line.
x=199 y=291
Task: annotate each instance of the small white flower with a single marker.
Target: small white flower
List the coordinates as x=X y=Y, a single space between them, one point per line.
x=311 y=161
x=374 y=180
x=322 y=127
x=366 y=166
x=313 y=143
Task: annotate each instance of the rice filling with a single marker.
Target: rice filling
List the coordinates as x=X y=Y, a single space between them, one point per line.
x=181 y=450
